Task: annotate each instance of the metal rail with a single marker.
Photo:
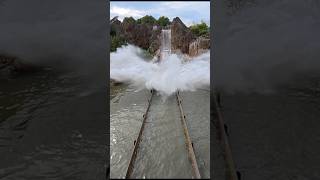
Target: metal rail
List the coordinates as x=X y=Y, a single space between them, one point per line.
x=224 y=139
x=137 y=142
x=189 y=145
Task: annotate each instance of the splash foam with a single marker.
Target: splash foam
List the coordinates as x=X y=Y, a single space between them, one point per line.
x=171 y=74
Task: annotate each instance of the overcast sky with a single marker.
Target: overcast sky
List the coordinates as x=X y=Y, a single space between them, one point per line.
x=188 y=11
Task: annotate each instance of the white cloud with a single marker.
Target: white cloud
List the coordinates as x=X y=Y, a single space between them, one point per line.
x=189 y=12
x=185 y=5
x=126 y=12
x=200 y=11
x=199 y=8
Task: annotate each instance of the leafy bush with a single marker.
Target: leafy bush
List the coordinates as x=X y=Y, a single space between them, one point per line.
x=113 y=31
x=147 y=20
x=200 y=29
x=163 y=21
x=116 y=42
x=130 y=20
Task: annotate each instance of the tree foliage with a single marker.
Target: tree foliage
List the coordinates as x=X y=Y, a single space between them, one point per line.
x=116 y=41
x=130 y=20
x=200 y=29
x=163 y=21
x=113 y=31
x=147 y=20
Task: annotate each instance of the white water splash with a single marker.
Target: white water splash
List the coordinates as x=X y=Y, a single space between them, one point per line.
x=168 y=76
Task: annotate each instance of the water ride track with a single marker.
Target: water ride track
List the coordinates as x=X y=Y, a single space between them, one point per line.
x=189 y=146
x=224 y=139
x=137 y=142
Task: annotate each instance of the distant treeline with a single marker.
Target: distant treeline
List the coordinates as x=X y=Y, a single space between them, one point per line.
x=201 y=29
x=197 y=29
x=149 y=20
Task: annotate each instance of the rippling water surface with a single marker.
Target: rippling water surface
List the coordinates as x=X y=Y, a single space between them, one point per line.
x=50 y=127
x=276 y=135
x=162 y=151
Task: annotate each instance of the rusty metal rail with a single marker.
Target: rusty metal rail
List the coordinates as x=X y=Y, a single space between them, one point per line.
x=189 y=145
x=191 y=154
x=228 y=155
x=137 y=142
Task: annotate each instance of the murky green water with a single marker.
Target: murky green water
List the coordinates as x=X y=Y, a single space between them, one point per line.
x=196 y=106
x=162 y=151
x=276 y=135
x=50 y=127
x=126 y=111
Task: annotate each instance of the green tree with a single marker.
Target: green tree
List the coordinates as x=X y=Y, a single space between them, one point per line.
x=163 y=21
x=147 y=20
x=113 y=31
x=116 y=42
x=130 y=20
x=200 y=29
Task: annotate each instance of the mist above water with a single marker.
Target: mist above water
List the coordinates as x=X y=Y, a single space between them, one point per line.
x=61 y=34
x=266 y=45
x=169 y=75
x=69 y=37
